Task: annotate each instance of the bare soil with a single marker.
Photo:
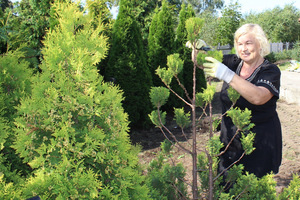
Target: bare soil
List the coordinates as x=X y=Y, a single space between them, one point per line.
x=289 y=115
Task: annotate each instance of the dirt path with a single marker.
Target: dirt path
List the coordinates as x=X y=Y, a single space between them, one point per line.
x=289 y=115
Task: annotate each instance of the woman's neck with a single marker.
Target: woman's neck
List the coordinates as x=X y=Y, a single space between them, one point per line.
x=249 y=67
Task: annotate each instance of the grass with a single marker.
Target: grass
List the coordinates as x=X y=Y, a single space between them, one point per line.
x=284 y=66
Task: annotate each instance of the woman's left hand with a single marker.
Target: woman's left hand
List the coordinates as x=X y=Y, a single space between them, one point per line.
x=218 y=70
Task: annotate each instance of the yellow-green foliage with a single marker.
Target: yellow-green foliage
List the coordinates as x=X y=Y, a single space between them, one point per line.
x=193 y=26
x=292 y=192
x=72 y=131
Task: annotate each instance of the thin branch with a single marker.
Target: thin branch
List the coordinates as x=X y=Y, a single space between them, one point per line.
x=172 y=135
x=181 y=194
x=182 y=99
x=242 y=192
x=185 y=136
x=184 y=89
x=229 y=166
x=227 y=146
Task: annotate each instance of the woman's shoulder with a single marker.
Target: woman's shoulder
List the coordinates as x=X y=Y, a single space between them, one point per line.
x=231 y=61
x=269 y=66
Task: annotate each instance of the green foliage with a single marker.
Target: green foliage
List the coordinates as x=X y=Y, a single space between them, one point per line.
x=3 y=123
x=15 y=85
x=166 y=147
x=247 y=142
x=164 y=180
x=292 y=192
x=68 y=179
x=161 y=40
x=72 y=130
x=127 y=66
x=207 y=5
x=280 y=24
x=5 y=27
x=206 y=96
x=158 y=118
x=214 y=146
x=161 y=44
x=250 y=187
x=34 y=20
x=233 y=95
x=193 y=26
x=216 y=54
x=201 y=57
x=210 y=27
x=182 y=119
x=241 y=119
x=295 y=52
x=228 y=24
x=8 y=190
x=174 y=63
x=185 y=13
x=15 y=80
x=159 y=96
x=292 y=54
x=175 y=66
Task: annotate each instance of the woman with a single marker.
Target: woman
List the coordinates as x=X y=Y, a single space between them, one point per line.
x=257 y=81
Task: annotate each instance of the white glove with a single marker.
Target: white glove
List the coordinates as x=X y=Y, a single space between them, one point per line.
x=218 y=70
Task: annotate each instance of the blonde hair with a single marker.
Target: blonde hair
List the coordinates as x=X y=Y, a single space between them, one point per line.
x=258 y=33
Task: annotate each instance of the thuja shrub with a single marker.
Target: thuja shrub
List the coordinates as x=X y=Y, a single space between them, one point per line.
x=15 y=80
x=72 y=131
x=15 y=84
x=293 y=190
x=127 y=66
x=165 y=179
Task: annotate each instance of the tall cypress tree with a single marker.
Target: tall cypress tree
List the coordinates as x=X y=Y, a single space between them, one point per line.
x=127 y=66
x=185 y=13
x=161 y=43
x=161 y=40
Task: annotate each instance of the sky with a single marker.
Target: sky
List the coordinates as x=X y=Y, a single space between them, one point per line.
x=259 y=6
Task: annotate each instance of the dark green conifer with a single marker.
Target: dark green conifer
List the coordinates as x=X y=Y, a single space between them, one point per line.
x=127 y=66
x=161 y=43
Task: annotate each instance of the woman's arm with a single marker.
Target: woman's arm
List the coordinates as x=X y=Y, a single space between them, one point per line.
x=256 y=95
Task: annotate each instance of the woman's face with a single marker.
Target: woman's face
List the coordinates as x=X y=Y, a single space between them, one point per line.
x=248 y=48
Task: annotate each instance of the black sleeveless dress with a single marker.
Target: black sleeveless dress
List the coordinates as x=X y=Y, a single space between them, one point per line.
x=267 y=156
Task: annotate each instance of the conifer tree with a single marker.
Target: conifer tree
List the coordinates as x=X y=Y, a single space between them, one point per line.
x=15 y=84
x=72 y=130
x=161 y=40
x=127 y=66
x=161 y=43
x=185 y=13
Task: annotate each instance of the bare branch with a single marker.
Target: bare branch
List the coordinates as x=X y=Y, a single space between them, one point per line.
x=172 y=135
x=227 y=146
x=184 y=89
x=229 y=166
x=182 y=99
